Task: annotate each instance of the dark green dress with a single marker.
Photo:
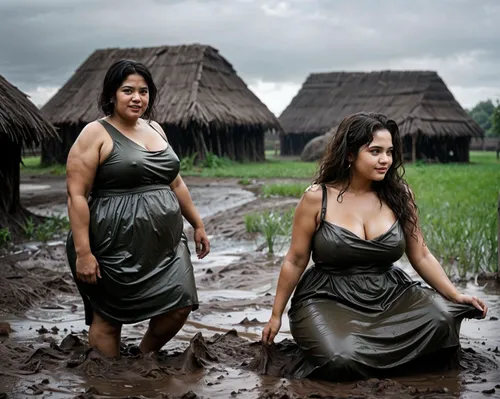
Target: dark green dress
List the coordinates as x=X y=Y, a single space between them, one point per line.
x=136 y=234
x=355 y=314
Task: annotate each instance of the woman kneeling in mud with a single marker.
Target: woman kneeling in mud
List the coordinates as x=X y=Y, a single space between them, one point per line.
x=354 y=314
x=126 y=249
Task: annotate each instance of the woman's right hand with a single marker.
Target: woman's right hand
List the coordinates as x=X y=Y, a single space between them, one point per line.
x=271 y=330
x=87 y=268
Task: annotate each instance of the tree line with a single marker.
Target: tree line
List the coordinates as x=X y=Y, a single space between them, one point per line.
x=487 y=115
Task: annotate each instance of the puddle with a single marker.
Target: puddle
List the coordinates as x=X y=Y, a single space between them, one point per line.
x=28 y=187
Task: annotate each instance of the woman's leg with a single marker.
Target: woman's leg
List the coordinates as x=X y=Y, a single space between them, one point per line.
x=162 y=328
x=105 y=336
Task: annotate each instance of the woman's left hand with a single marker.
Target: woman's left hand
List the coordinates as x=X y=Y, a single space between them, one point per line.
x=474 y=301
x=202 y=244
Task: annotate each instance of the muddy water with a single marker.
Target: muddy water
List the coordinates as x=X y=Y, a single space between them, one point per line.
x=235 y=286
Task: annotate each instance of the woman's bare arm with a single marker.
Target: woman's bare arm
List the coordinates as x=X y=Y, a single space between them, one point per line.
x=81 y=166
x=431 y=271
x=424 y=263
x=428 y=267
x=188 y=208
x=296 y=259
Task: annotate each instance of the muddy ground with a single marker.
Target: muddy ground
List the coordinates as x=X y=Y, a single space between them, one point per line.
x=43 y=338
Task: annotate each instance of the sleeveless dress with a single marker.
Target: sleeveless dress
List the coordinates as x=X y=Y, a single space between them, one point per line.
x=354 y=314
x=136 y=235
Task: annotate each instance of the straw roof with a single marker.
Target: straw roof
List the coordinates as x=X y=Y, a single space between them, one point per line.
x=418 y=101
x=195 y=84
x=20 y=119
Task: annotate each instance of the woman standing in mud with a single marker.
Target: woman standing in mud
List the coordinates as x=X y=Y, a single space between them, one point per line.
x=126 y=248
x=354 y=314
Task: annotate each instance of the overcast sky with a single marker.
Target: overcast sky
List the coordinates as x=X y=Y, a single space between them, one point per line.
x=272 y=44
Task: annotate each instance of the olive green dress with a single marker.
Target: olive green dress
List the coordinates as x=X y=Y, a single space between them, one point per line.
x=136 y=235
x=354 y=313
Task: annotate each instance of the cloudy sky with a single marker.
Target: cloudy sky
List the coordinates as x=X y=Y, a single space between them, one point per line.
x=272 y=44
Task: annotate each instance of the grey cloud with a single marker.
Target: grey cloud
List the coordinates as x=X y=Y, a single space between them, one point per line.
x=264 y=39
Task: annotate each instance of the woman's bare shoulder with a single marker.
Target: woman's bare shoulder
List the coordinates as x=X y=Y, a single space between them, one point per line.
x=92 y=130
x=92 y=136
x=313 y=194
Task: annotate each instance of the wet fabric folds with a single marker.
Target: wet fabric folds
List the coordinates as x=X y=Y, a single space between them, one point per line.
x=355 y=314
x=136 y=235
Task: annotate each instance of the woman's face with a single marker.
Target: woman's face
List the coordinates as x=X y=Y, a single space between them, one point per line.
x=132 y=97
x=374 y=159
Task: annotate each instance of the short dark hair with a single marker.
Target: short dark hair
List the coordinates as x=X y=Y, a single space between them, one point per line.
x=115 y=76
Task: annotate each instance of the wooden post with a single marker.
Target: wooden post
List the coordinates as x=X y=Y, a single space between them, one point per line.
x=498 y=236
x=414 y=148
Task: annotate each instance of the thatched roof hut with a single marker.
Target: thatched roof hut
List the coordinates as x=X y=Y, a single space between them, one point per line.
x=202 y=103
x=419 y=101
x=21 y=126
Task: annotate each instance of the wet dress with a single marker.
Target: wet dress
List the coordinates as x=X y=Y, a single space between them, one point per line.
x=136 y=235
x=354 y=314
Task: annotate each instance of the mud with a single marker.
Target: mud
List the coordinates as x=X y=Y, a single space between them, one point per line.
x=216 y=359
x=217 y=354
x=25 y=281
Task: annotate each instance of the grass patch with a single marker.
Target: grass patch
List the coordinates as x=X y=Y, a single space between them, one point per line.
x=271 y=224
x=5 y=237
x=32 y=165
x=284 y=190
x=272 y=168
x=51 y=227
x=458 y=213
x=484 y=157
x=244 y=182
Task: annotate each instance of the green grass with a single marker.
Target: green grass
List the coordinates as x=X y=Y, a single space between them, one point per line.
x=284 y=190
x=484 y=157
x=5 y=237
x=51 y=227
x=271 y=224
x=458 y=213
x=272 y=168
x=32 y=166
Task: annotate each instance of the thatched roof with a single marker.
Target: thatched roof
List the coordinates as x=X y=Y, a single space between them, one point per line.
x=418 y=101
x=195 y=83
x=20 y=119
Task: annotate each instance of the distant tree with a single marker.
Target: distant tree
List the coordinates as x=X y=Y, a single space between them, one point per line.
x=482 y=114
x=495 y=121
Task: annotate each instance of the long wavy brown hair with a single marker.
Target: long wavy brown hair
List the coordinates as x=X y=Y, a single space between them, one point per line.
x=354 y=132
